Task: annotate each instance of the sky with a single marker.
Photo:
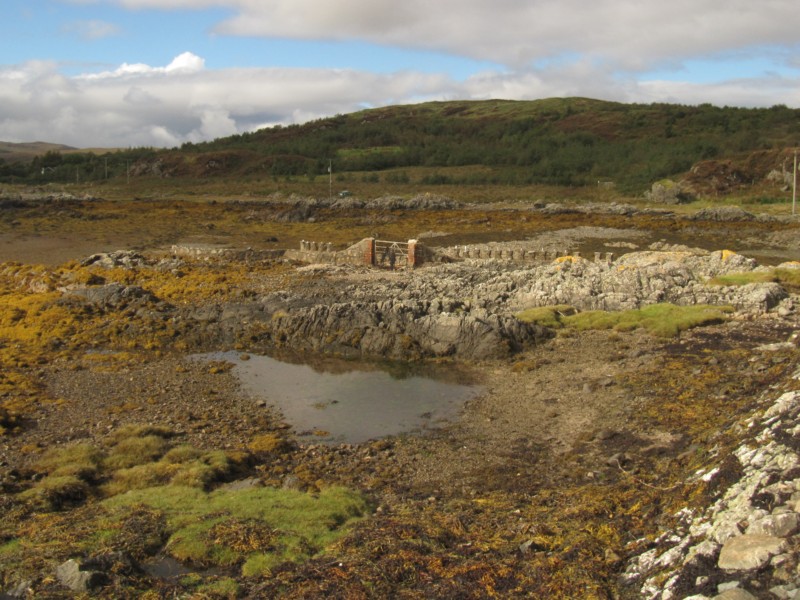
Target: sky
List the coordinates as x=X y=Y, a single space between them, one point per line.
x=160 y=73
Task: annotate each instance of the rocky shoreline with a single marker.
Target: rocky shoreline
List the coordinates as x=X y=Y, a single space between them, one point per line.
x=461 y=310
x=582 y=440
x=744 y=544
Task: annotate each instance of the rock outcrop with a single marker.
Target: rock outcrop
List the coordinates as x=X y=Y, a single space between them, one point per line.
x=641 y=278
x=667 y=191
x=114 y=295
x=403 y=329
x=466 y=309
x=461 y=309
x=749 y=534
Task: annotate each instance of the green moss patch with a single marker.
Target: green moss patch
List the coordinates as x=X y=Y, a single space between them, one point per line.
x=547 y=316
x=663 y=320
x=139 y=457
x=788 y=278
x=140 y=493
x=737 y=279
x=254 y=529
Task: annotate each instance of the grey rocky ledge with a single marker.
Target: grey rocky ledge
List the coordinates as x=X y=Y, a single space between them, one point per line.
x=464 y=310
x=750 y=533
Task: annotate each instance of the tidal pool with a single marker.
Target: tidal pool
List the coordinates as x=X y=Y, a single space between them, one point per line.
x=338 y=401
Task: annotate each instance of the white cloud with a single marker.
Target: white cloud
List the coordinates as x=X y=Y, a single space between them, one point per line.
x=184 y=63
x=762 y=92
x=627 y=34
x=143 y=105
x=215 y=122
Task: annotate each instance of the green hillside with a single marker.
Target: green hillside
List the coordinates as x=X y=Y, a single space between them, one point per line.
x=574 y=141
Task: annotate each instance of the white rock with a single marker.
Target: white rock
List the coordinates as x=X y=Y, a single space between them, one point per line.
x=781 y=525
x=704 y=549
x=747 y=552
x=670 y=557
x=780 y=592
x=735 y=594
x=782 y=405
x=728 y=585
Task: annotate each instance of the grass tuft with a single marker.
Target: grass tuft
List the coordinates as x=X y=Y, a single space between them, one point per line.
x=267 y=443
x=789 y=278
x=662 y=320
x=181 y=454
x=80 y=460
x=203 y=470
x=134 y=431
x=181 y=466
x=130 y=452
x=55 y=493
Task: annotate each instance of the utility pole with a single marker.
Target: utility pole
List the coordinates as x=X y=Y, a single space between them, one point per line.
x=794 y=183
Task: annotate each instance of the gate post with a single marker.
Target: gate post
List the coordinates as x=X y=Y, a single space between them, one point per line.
x=369 y=251
x=412 y=253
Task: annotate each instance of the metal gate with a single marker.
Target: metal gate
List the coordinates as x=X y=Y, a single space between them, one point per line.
x=391 y=255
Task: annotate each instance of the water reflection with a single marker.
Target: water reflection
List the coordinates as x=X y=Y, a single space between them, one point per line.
x=336 y=401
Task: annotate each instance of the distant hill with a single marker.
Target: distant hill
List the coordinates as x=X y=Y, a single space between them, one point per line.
x=26 y=151
x=557 y=141
x=572 y=141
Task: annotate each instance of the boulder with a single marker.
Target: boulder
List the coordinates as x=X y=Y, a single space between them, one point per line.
x=749 y=551
x=21 y=590
x=735 y=594
x=112 y=295
x=780 y=525
x=71 y=575
x=127 y=259
x=667 y=191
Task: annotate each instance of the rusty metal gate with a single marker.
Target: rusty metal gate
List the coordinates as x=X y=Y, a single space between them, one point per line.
x=391 y=255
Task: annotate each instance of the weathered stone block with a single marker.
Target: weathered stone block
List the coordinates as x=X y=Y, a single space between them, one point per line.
x=749 y=551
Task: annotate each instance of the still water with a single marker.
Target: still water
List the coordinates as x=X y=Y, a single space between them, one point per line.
x=337 y=401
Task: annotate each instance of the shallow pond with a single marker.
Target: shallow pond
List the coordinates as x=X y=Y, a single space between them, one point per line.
x=338 y=401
